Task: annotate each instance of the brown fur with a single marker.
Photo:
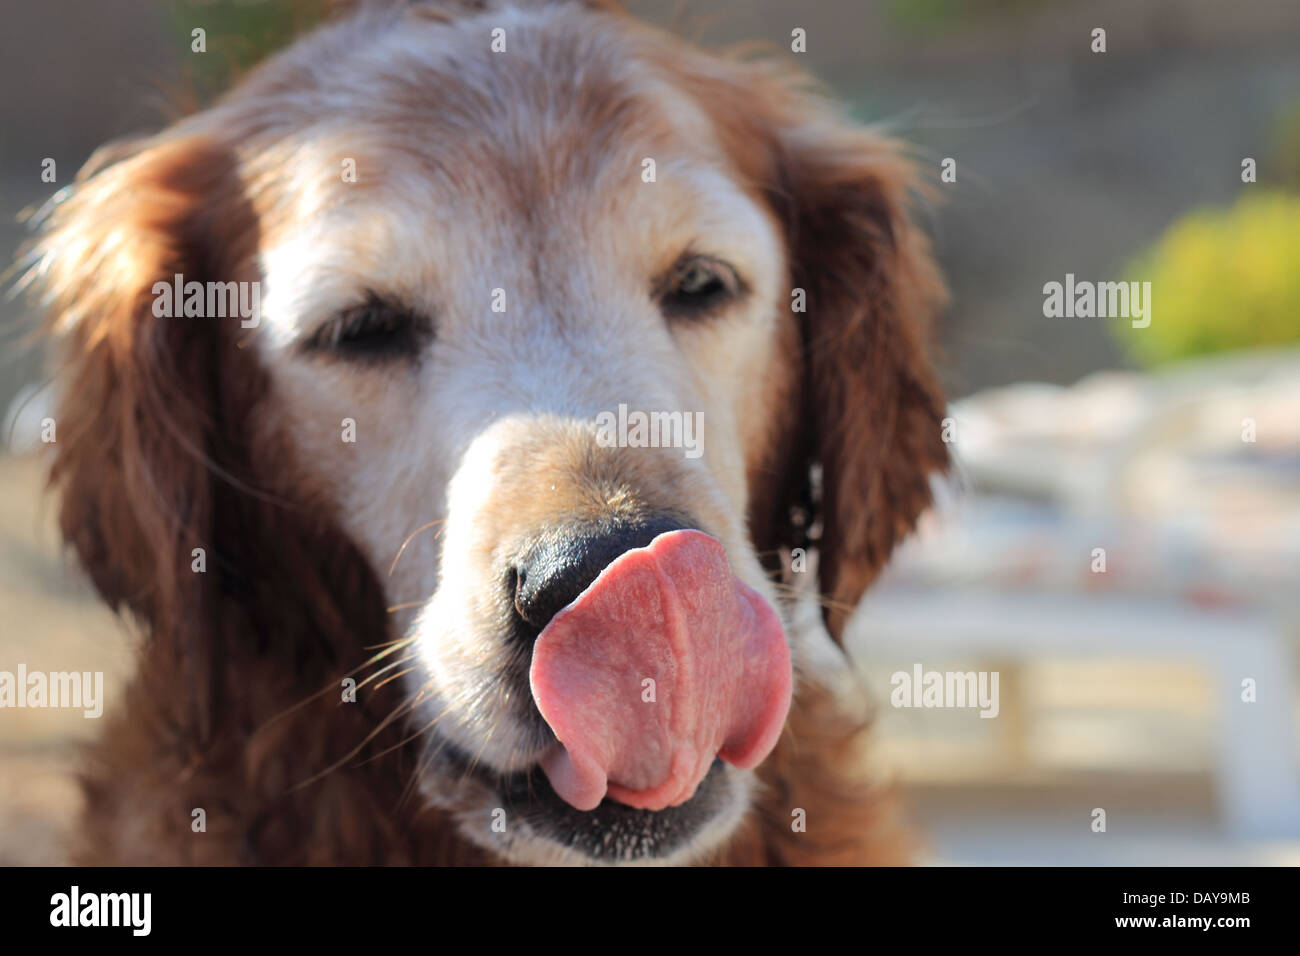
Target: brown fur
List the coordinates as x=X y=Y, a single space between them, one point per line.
x=161 y=451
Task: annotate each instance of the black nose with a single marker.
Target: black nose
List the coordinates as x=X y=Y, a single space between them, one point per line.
x=565 y=560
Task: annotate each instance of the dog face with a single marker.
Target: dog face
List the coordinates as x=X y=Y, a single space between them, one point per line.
x=475 y=265
x=476 y=302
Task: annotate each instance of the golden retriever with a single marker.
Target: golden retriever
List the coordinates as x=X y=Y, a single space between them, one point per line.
x=480 y=537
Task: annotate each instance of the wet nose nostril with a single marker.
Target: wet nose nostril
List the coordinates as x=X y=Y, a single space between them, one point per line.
x=565 y=562
x=525 y=601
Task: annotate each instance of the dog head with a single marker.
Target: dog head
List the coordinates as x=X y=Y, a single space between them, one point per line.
x=569 y=333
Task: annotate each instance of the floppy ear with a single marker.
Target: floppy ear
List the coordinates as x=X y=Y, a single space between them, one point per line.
x=138 y=418
x=868 y=409
x=851 y=472
x=870 y=396
x=163 y=443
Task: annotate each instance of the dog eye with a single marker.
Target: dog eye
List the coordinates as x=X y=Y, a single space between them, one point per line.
x=696 y=286
x=374 y=330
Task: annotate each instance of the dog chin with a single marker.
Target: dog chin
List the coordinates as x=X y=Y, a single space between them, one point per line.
x=520 y=819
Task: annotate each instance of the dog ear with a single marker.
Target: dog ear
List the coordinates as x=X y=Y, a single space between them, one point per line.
x=867 y=418
x=871 y=401
x=138 y=416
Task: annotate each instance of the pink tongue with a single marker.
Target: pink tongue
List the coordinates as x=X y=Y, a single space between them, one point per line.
x=673 y=614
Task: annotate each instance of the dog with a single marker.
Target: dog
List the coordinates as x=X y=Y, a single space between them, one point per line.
x=404 y=597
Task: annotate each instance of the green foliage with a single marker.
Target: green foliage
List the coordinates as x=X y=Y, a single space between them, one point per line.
x=1221 y=279
x=942 y=15
x=240 y=33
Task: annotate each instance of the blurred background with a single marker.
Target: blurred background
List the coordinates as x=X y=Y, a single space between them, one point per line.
x=1121 y=541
